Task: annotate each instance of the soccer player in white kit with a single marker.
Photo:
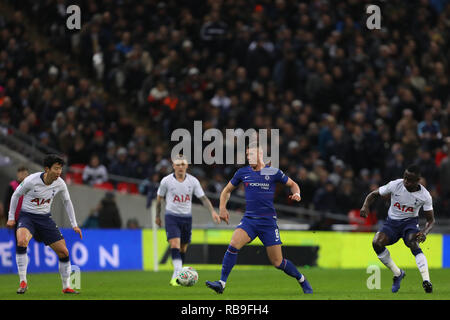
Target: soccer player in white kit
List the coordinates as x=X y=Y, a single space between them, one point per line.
x=177 y=188
x=39 y=190
x=407 y=197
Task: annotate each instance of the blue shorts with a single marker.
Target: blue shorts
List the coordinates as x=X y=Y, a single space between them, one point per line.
x=396 y=229
x=178 y=227
x=266 y=229
x=41 y=226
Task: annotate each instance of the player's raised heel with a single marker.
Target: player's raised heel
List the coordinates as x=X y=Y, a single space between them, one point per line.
x=427 y=286
x=216 y=286
x=69 y=291
x=306 y=286
x=22 y=287
x=397 y=281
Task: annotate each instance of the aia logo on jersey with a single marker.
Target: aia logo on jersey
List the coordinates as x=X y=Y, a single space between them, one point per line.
x=185 y=198
x=40 y=202
x=404 y=209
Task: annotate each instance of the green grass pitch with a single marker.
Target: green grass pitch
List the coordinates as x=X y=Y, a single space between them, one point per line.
x=259 y=284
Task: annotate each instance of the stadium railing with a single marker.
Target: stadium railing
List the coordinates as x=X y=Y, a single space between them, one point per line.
x=26 y=145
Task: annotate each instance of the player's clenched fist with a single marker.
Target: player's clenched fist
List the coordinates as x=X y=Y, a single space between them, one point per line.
x=158 y=221
x=364 y=212
x=420 y=236
x=10 y=224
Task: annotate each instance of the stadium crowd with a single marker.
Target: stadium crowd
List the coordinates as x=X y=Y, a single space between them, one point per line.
x=354 y=106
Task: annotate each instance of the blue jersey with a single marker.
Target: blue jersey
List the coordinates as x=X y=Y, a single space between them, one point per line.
x=259 y=189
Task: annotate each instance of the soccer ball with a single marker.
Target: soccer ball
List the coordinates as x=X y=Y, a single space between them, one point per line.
x=187 y=277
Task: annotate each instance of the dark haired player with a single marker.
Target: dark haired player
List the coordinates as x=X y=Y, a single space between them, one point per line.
x=38 y=191
x=259 y=219
x=407 y=197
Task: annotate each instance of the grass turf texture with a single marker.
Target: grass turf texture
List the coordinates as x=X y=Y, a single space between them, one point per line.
x=328 y=284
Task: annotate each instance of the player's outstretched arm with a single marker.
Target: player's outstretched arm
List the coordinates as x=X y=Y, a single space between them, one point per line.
x=67 y=203
x=295 y=189
x=208 y=205
x=364 y=212
x=224 y=197
x=422 y=235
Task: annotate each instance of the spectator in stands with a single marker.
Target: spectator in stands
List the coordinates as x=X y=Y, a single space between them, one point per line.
x=121 y=165
x=133 y=224
x=325 y=198
x=141 y=166
x=406 y=123
x=78 y=153
x=3 y=216
x=95 y=172
x=428 y=168
x=98 y=145
x=91 y=221
x=149 y=187
x=108 y=213
x=346 y=197
x=22 y=173
x=429 y=130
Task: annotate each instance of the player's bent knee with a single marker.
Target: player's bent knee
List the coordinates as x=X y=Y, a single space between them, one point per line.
x=277 y=263
x=22 y=242
x=236 y=244
x=63 y=253
x=378 y=247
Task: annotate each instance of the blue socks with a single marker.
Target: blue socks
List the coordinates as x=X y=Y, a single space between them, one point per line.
x=289 y=268
x=229 y=260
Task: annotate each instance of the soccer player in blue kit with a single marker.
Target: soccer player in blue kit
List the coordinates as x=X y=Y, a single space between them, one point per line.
x=259 y=219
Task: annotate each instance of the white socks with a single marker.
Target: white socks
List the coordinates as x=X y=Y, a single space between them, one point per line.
x=385 y=257
x=422 y=264
x=177 y=266
x=65 y=269
x=22 y=264
x=302 y=279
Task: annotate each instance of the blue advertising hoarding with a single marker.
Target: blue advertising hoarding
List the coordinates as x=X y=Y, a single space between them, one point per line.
x=98 y=250
x=446 y=251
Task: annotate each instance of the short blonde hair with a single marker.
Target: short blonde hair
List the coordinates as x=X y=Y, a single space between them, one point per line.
x=179 y=157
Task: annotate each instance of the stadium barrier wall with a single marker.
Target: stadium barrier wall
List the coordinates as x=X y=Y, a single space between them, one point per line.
x=334 y=249
x=133 y=250
x=99 y=250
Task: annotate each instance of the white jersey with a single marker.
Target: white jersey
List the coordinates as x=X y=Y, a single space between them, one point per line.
x=405 y=204
x=179 y=194
x=38 y=197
